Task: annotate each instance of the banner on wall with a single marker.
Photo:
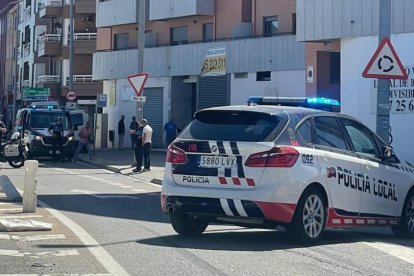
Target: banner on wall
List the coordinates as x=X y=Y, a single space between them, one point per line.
x=214 y=63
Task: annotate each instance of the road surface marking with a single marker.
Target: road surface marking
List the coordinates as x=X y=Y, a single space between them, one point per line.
x=60 y=253
x=107 y=261
x=139 y=190
x=10 y=253
x=38 y=237
x=116 y=184
x=20 y=216
x=3 y=211
x=4 y=237
x=126 y=187
x=104 y=196
x=396 y=250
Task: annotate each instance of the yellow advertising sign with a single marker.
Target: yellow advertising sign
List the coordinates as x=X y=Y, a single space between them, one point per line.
x=214 y=63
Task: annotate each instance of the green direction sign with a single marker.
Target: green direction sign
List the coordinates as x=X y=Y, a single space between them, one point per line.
x=36 y=92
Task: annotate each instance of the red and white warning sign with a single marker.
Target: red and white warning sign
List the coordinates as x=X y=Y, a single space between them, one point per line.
x=71 y=96
x=385 y=63
x=138 y=82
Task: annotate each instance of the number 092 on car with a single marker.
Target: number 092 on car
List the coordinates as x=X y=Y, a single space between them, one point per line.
x=207 y=161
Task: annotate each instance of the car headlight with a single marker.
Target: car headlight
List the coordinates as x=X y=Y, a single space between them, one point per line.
x=38 y=138
x=70 y=138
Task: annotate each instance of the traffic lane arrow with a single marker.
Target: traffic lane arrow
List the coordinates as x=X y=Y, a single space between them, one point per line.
x=102 y=195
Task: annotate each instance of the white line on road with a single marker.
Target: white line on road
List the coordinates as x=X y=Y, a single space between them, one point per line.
x=126 y=187
x=139 y=190
x=10 y=253
x=4 y=237
x=19 y=216
x=60 y=253
x=39 y=237
x=396 y=250
x=96 y=194
x=116 y=184
x=107 y=261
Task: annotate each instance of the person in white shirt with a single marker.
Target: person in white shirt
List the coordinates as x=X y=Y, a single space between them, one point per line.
x=146 y=144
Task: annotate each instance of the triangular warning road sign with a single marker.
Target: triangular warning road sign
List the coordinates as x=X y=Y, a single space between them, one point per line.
x=138 y=82
x=385 y=63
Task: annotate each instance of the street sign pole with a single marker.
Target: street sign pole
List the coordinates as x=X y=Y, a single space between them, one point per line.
x=383 y=92
x=141 y=46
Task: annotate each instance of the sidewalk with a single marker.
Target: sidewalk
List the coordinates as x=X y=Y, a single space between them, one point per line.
x=121 y=162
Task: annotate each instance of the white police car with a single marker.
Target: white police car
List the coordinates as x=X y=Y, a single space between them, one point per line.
x=266 y=165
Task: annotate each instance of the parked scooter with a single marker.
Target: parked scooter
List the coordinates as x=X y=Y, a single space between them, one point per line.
x=13 y=151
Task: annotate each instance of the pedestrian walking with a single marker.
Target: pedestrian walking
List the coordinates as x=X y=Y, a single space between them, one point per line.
x=146 y=144
x=138 y=148
x=121 y=132
x=133 y=126
x=56 y=129
x=170 y=130
x=84 y=139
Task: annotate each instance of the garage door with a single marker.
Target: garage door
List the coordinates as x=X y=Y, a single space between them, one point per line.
x=153 y=112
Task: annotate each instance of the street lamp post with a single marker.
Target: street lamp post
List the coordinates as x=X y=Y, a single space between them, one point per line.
x=71 y=46
x=383 y=96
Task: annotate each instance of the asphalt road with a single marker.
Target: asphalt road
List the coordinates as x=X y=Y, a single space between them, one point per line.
x=115 y=225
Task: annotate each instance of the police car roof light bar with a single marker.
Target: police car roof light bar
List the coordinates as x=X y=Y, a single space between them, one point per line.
x=314 y=102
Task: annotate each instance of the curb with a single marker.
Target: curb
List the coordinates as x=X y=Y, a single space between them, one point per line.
x=9 y=189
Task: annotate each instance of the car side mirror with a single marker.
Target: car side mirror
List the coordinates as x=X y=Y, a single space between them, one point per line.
x=387 y=152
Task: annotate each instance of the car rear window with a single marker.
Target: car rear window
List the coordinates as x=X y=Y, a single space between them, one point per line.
x=225 y=125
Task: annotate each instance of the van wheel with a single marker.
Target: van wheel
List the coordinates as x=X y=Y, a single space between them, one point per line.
x=309 y=220
x=406 y=227
x=186 y=225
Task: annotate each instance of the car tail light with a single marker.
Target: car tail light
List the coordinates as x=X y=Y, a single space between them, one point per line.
x=281 y=157
x=176 y=155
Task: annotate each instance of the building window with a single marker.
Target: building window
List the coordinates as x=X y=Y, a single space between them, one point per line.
x=178 y=35
x=270 y=25
x=208 y=32
x=246 y=11
x=263 y=76
x=294 y=23
x=335 y=64
x=240 y=75
x=121 y=41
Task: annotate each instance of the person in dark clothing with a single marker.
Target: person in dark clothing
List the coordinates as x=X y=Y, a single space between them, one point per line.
x=121 y=132
x=170 y=130
x=133 y=126
x=138 y=148
x=56 y=129
x=3 y=129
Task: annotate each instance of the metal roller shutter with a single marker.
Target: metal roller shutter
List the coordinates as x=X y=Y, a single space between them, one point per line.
x=213 y=91
x=153 y=112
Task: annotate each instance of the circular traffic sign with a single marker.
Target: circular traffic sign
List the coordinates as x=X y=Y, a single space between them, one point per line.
x=71 y=96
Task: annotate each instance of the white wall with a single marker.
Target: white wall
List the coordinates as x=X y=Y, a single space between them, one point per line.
x=357 y=94
x=124 y=106
x=282 y=83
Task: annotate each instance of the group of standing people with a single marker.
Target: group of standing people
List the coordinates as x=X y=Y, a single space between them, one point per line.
x=141 y=140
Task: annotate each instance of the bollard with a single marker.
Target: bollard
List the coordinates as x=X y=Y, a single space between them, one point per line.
x=30 y=181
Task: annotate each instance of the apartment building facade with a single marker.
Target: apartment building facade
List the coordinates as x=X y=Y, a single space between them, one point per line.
x=352 y=27
x=10 y=72
x=262 y=55
x=5 y=7
x=43 y=53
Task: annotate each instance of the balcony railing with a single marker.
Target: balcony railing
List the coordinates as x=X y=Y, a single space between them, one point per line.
x=27 y=13
x=80 y=79
x=48 y=79
x=26 y=50
x=25 y=83
x=84 y=36
x=49 y=37
x=19 y=53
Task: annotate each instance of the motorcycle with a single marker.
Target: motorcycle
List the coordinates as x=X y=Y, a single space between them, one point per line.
x=13 y=151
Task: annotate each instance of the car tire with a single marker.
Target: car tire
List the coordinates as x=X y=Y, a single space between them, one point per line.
x=406 y=227
x=309 y=220
x=188 y=226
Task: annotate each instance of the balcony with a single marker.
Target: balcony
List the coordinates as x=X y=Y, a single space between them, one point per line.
x=26 y=50
x=50 y=9
x=85 y=6
x=27 y=13
x=277 y=53
x=84 y=85
x=25 y=83
x=49 y=81
x=167 y=9
x=49 y=45
x=116 y=12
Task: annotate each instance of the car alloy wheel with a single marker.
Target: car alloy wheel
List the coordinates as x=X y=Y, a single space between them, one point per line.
x=409 y=214
x=313 y=216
